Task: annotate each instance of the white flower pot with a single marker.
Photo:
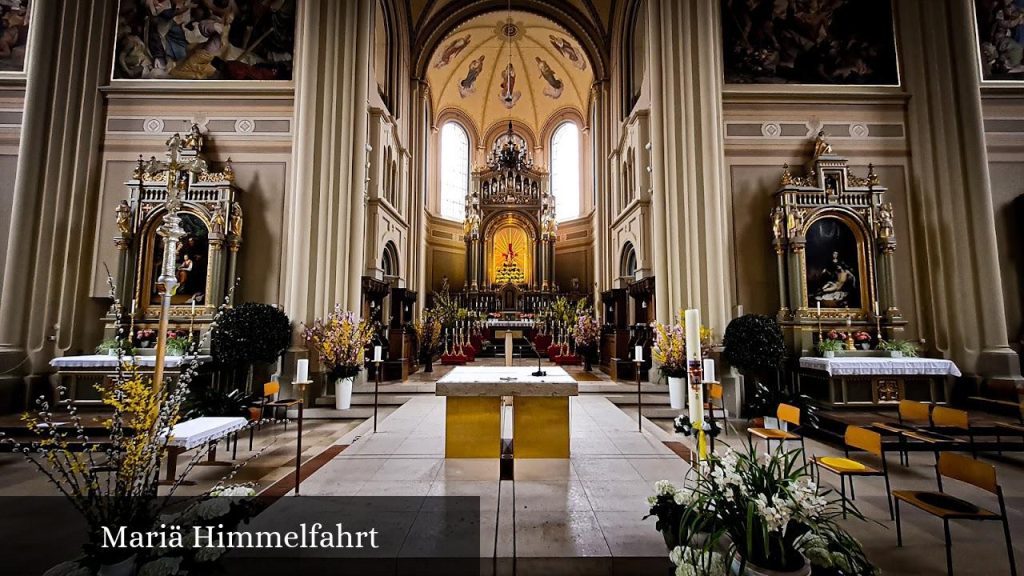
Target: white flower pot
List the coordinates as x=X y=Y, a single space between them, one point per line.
x=343 y=393
x=895 y=354
x=676 y=392
x=828 y=354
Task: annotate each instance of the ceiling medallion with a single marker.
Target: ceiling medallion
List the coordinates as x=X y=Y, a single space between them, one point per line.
x=509 y=30
x=508 y=155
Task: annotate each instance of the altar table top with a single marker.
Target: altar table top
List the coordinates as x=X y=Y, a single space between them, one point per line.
x=871 y=366
x=199 y=431
x=506 y=381
x=107 y=361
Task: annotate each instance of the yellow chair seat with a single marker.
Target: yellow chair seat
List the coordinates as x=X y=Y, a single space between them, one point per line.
x=839 y=465
x=773 y=434
x=957 y=508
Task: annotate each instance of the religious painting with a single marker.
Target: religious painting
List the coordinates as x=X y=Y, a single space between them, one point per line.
x=453 y=49
x=1000 y=26
x=570 y=52
x=509 y=255
x=205 y=39
x=190 y=264
x=554 y=85
x=833 y=265
x=468 y=84
x=14 y=21
x=509 y=94
x=848 y=42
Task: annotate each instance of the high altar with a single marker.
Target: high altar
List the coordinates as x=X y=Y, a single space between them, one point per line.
x=510 y=231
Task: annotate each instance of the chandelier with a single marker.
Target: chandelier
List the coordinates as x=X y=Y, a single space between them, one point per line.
x=509 y=155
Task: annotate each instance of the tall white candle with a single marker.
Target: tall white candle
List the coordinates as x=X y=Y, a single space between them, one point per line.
x=819 y=307
x=302 y=370
x=638 y=354
x=377 y=354
x=876 y=307
x=693 y=334
x=709 y=370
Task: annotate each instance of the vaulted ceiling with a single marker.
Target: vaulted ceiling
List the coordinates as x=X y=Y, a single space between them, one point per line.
x=598 y=11
x=469 y=71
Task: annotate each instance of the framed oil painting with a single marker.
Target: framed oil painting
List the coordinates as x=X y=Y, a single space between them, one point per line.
x=834 y=265
x=191 y=263
x=835 y=42
x=1000 y=26
x=14 y=23
x=205 y=40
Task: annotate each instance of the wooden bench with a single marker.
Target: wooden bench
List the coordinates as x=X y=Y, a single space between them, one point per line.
x=203 y=431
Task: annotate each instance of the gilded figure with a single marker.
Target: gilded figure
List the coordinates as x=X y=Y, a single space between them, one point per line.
x=236 y=220
x=217 y=221
x=124 y=218
x=885 y=221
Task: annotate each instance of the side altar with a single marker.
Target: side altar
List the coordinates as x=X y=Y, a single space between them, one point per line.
x=210 y=217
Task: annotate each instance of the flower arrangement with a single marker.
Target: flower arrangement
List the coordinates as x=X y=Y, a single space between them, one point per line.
x=178 y=342
x=587 y=333
x=682 y=425
x=145 y=337
x=670 y=346
x=829 y=345
x=761 y=511
x=340 y=340
x=111 y=480
x=905 y=348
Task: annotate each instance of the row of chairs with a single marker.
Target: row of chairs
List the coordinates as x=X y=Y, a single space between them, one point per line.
x=948 y=464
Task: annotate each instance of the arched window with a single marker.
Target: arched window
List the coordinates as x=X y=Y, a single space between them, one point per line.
x=454 y=171
x=565 y=171
x=389 y=261
x=628 y=265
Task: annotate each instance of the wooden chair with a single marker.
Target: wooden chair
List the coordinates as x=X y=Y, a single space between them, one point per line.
x=949 y=507
x=258 y=412
x=715 y=404
x=952 y=418
x=790 y=415
x=913 y=413
x=860 y=439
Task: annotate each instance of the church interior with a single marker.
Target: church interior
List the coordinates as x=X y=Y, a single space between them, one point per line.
x=647 y=283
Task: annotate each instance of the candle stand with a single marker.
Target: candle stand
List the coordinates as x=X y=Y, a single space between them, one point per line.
x=301 y=385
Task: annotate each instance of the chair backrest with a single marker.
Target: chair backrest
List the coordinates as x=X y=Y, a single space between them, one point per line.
x=914 y=411
x=271 y=388
x=788 y=413
x=864 y=439
x=942 y=416
x=969 y=470
x=715 y=391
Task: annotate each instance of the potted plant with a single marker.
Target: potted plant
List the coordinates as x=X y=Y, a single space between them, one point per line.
x=178 y=342
x=340 y=340
x=587 y=335
x=898 y=348
x=862 y=339
x=766 y=514
x=115 y=347
x=428 y=336
x=754 y=346
x=670 y=352
x=248 y=334
x=828 y=347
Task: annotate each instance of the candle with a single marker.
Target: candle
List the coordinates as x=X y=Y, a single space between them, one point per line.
x=194 y=308
x=377 y=354
x=849 y=322
x=876 y=307
x=302 y=370
x=709 y=370
x=819 y=307
x=638 y=354
x=135 y=302
x=692 y=319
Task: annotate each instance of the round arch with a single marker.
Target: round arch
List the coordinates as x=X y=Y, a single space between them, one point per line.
x=389 y=261
x=628 y=260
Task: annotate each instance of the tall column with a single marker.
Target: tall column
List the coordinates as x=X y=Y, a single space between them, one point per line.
x=692 y=263
x=327 y=202
x=950 y=195
x=420 y=131
x=44 y=304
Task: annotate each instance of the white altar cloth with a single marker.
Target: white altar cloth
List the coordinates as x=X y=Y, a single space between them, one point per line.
x=871 y=366
x=496 y=323
x=491 y=374
x=107 y=361
x=198 y=431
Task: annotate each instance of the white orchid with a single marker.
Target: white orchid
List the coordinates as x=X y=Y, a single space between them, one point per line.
x=664 y=488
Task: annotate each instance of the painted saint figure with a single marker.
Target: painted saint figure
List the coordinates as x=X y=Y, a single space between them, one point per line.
x=565 y=48
x=454 y=48
x=509 y=95
x=839 y=282
x=555 y=86
x=468 y=84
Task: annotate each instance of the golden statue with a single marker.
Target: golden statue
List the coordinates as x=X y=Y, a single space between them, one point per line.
x=777 y=228
x=124 y=218
x=194 y=139
x=885 y=221
x=821 y=146
x=217 y=221
x=236 y=220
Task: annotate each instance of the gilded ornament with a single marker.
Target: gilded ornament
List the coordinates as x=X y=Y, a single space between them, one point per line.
x=821 y=145
x=884 y=221
x=778 y=230
x=217 y=221
x=787 y=177
x=194 y=138
x=236 y=220
x=124 y=218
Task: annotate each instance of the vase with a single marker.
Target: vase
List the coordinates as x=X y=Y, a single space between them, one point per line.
x=895 y=354
x=676 y=392
x=751 y=570
x=343 y=392
x=125 y=567
x=828 y=354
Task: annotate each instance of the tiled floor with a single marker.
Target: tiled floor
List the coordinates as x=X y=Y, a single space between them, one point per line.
x=590 y=506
